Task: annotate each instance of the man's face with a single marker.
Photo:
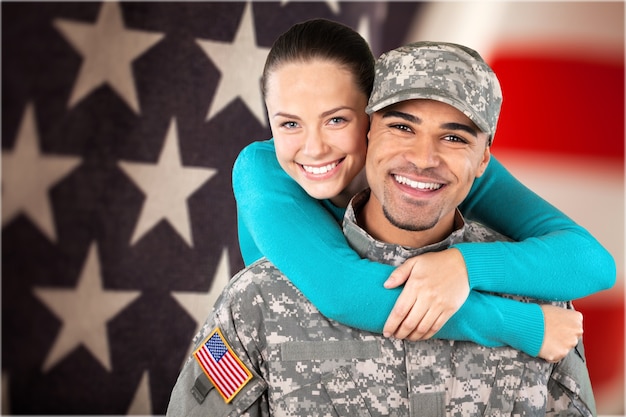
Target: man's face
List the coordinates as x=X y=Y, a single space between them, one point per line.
x=422 y=159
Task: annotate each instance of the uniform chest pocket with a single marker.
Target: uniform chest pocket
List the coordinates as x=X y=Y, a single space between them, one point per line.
x=335 y=394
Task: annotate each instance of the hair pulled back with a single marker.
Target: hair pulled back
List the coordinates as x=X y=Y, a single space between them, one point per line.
x=327 y=40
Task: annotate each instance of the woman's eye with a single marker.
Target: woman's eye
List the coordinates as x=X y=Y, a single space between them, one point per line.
x=289 y=125
x=337 y=120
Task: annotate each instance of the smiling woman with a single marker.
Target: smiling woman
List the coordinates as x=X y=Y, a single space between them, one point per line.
x=317 y=115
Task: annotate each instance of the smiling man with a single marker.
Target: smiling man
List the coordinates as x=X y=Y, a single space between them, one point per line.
x=424 y=157
x=433 y=116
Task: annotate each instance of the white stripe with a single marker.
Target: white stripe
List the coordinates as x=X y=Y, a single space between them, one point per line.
x=596 y=28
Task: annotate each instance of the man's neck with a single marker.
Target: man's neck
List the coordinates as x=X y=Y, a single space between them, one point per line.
x=372 y=219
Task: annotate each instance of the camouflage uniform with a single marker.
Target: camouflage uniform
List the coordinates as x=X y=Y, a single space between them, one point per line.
x=304 y=364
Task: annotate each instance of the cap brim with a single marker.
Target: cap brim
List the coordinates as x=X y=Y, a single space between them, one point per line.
x=429 y=94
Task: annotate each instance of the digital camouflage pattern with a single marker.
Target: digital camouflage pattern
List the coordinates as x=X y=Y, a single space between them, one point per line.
x=447 y=72
x=304 y=364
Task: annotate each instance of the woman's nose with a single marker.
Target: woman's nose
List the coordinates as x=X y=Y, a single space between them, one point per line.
x=314 y=144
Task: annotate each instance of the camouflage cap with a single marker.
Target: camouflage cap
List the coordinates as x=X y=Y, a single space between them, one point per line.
x=447 y=72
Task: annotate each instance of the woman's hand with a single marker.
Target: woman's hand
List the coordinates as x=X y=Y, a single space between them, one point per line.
x=436 y=287
x=562 y=329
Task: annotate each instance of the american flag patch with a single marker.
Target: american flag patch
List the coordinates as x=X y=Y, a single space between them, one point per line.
x=218 y=361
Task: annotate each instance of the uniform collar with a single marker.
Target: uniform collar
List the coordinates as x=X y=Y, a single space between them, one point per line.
x=392 y=254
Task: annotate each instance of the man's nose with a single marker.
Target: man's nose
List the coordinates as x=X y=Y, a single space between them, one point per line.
x=423 y=153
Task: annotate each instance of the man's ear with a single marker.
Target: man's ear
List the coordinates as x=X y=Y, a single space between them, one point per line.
x=485 y=161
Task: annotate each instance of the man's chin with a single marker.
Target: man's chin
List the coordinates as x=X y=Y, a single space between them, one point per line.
x=410 y=224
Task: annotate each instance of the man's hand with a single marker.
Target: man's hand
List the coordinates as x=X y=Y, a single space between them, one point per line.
x=563 y=328
x=436 y=287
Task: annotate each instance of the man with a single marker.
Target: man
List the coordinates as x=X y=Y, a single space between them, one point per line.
x=266 y=350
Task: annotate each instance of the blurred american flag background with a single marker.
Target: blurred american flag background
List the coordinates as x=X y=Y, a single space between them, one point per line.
x=120 y=125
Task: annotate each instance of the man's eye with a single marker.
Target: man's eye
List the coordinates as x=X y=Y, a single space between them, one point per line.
x=401 y=127
x=454 y=139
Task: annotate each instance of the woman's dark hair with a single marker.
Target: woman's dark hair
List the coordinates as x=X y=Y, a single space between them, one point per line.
x=323 y=39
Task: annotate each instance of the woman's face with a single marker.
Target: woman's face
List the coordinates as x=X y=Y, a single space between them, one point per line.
x=317 y=115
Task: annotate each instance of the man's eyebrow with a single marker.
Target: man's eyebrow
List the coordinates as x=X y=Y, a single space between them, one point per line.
x=413 y=119
x=405 y=116
x=460 y=126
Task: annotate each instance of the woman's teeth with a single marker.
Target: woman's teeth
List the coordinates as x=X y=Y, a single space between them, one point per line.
x=416 y=184
x=320 y=170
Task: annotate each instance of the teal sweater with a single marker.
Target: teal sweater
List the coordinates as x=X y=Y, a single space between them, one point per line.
x=553 y=258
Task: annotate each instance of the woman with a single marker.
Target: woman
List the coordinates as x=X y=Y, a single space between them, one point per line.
x=316 y=82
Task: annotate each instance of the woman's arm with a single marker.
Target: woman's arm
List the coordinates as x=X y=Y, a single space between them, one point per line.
x=494 y=321
x=306 y=243
x=303 y=239
x=554 y=258
x=551 y=249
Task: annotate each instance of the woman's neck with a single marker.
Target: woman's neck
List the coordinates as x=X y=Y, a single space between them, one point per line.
x=357 y=184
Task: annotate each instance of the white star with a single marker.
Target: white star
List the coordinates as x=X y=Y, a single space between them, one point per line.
x=167 y=186
x=28 y=175
x=241 y=65
x=333 y=5
x=199 y=304
x=142 y=402
x=84 y=312
x=364 y=28
x=108 y=50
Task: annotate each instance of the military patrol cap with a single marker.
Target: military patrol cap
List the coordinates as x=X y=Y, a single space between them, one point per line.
x=446 y=72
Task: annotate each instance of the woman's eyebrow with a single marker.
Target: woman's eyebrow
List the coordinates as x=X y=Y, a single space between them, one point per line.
x=324 y=114
x=335 y=110
x=286 y=115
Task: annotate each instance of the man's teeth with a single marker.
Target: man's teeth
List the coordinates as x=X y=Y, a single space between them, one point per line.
x=416 y=184
x=320 y=170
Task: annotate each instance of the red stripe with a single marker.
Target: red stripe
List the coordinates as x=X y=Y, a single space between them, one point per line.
x=566 y=106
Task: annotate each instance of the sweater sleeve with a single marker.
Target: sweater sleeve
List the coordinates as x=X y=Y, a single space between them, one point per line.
x=298 y=235
x=511 y=323
x=550 y=249
x=302 y=238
